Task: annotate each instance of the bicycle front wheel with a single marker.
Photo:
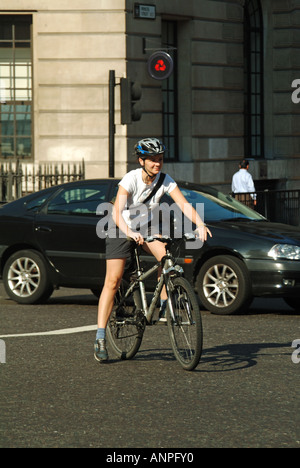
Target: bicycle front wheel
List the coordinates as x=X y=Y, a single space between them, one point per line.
x=185 y=324
x=125 y=328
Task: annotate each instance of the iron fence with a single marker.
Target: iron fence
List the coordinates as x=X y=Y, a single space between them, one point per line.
x=17 y=180
x=281 y=206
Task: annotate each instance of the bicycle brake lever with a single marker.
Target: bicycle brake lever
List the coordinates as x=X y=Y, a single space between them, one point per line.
x=190 y=236
x=149 y=239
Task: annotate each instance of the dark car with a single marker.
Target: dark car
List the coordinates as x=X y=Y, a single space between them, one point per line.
x=48 y=239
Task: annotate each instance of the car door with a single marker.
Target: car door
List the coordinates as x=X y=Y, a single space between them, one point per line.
x=66 y=232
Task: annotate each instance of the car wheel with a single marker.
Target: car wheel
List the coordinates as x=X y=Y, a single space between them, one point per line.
x=25 y=278
x=224 y=285
x=293 y=302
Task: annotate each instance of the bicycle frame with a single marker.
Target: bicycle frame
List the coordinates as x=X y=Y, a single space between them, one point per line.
x=168 y=265
x=126 y=327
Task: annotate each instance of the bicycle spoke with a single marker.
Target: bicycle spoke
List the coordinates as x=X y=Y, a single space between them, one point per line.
x=126 y=325
x=185 y=327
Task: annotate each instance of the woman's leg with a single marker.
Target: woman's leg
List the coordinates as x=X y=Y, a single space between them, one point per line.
x=114 y=272
x=158 y=250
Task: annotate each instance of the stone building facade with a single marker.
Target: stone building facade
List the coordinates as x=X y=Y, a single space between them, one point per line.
x=233 y=92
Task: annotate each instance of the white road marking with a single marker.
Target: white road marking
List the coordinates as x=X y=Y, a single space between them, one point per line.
x=63 y=331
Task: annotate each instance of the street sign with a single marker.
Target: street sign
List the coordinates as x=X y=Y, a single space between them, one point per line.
x=144 y=11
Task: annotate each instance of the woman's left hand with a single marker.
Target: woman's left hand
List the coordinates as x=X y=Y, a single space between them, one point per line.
x=202 y=231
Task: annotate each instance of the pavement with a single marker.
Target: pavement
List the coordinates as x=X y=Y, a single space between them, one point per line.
x=244 y=393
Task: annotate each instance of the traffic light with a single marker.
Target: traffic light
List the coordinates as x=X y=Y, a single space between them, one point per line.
x=131 y=92
x=160 y=65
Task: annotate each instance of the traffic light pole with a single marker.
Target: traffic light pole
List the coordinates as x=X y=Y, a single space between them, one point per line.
x=112 y=128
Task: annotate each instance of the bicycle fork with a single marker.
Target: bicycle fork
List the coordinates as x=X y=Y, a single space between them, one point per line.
x=170 y=289
x=182 y=299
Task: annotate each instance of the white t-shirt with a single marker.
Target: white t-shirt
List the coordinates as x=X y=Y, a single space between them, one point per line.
x=242 y=182
x=139 y=214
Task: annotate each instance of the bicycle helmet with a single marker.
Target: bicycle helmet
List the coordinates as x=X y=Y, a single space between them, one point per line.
x=149 y=147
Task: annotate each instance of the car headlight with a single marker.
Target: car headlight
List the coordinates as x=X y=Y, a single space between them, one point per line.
x=288 y=251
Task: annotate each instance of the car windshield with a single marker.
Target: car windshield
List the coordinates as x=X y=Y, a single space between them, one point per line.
x=220 y=207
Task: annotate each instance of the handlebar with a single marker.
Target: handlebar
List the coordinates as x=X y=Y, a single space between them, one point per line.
x=189 y=236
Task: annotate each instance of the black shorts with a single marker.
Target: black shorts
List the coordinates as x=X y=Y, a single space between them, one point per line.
x=118 y=248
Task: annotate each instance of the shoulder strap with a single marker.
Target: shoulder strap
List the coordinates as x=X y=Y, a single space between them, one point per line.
x=157 y=186
x=151 y=194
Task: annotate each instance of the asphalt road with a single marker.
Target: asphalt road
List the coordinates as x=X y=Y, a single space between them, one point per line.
x=244 y=393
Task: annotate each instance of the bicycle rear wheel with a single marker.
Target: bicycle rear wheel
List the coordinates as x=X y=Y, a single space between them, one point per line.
x=185 y=328
x=125 y=328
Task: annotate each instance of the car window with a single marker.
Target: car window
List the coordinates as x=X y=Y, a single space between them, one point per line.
x=81 y=201
x=34 y=204
x=219 y=206
x=115 y=191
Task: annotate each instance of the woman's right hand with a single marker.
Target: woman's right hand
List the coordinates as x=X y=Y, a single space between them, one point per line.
x=136 y=236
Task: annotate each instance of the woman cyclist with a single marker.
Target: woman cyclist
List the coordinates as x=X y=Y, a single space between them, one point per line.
x=135 y=186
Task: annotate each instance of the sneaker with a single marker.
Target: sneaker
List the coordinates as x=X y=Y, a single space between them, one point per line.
x=162 y=320
x=100 y=351
x=162 y=316
x=162 y=313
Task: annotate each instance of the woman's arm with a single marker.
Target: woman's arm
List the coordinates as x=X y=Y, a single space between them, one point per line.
x=119 y=206
x=190 y=213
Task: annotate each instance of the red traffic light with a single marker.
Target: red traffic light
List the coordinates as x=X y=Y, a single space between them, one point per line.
x=160 y=65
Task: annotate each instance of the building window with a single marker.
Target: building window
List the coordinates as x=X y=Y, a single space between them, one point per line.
x=254 y=112
x=15 y=86
x=170 y=93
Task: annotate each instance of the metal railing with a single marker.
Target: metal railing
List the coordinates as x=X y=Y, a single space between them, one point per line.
x=17 y=180
x=281 y=206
